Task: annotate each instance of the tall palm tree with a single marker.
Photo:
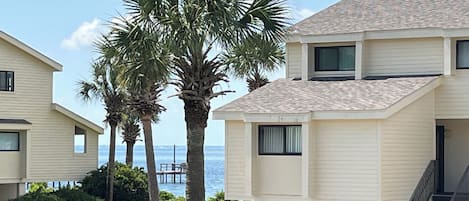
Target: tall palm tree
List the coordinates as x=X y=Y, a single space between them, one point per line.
x=194 y=27
x=104 y=87
x=252 y=58
x=146 y=62
x=130 y=133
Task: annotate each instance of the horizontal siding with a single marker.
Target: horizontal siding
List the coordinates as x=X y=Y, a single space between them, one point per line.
x=346 y=161
x=287 y=179
x=293 y=60
x=452 y=96
x=61 y=157
x=407 y=147
x=235 y=175
x=50 y=154
x=403 y=56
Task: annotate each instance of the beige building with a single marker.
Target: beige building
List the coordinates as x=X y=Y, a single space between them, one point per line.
x=374 y=106
x=37 y=137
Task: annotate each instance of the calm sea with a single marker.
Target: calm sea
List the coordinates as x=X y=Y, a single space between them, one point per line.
x=214 y=164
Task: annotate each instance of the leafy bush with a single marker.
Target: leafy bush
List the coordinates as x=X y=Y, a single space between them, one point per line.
x=64 y=194
x=39 y=196
x=167 y=196
x=129 y=184
x=219 y=196
x=40 y=187
x=69 y=194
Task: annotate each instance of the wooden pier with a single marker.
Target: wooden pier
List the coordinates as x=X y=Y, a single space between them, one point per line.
x=173 y=170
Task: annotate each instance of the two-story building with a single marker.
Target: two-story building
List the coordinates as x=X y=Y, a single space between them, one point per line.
x=37 y=137
x=375 y=106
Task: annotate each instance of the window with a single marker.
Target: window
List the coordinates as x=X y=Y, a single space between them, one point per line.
x=280 y=140
x=335 y=58
x=7 y=81
x=79 y=141
x=9 y=141
x=462 y=54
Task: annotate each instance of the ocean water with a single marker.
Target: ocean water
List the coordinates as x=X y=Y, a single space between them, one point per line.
x=214 y=164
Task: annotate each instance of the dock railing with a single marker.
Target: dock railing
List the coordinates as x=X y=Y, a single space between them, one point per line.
x=173 y=170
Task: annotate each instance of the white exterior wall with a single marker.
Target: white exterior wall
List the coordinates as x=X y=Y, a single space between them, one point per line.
x=345 y=166
x=293 y=60
x=50 y=141
x=452 y=96
x=235 y=176
x=407 y=146
x=403 y=56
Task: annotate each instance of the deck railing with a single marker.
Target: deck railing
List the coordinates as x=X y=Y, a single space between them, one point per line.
x=426 y=186
x=462 y=190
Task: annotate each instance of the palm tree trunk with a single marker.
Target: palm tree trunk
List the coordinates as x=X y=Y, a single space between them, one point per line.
x=129 y=154
x=150 y=155
x=111 y=163
x=196 y=120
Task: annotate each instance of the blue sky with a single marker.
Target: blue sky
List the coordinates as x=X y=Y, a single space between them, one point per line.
x=65 y=31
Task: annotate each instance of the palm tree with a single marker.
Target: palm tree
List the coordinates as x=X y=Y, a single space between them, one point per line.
x=104 y=87
x=252 y=58
x=130 y=133
x=194 y=27
x=146 y=70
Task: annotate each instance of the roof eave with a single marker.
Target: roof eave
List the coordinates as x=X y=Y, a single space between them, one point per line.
x=377 y=34
x=327 y=115
x=36 y=54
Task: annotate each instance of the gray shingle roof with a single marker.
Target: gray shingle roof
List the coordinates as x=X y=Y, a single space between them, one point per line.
x=292 y=97
x=350 y=16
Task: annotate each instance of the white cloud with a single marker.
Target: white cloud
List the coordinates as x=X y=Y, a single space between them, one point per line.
x=84 y=36
x=298 y=14
x=304 y=13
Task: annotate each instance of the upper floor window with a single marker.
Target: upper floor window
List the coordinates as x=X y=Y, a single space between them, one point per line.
x=7 y=81
x=9 y=141
x=338 y=58
x=462 y=54
x=280 y=140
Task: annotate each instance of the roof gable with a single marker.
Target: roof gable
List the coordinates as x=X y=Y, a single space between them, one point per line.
x=30 y=51
x=353 y=16
x=68 y=113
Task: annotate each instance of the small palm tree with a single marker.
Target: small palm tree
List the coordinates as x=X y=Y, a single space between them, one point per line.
x=252 y=58
x=130 y=133
x=146 y=62
x=104 y=86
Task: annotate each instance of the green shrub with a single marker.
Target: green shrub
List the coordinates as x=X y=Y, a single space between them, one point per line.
x=130 y=183
x=41 y=187
x=69 y=194
x=39 y=196
x=167 y=196
x=219 y=196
